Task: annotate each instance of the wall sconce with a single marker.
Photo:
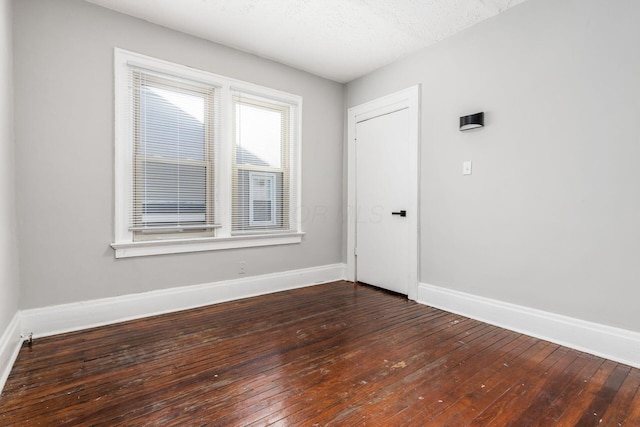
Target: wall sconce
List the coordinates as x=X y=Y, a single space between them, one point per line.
x=472 y=121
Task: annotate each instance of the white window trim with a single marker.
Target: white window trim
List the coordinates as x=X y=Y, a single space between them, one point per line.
x=124 y=245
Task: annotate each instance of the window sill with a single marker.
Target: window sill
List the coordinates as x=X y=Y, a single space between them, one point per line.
x=162 y=247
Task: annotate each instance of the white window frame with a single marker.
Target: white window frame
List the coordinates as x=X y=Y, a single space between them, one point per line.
x=124 y=244
x=208 y=93
x=271 y=177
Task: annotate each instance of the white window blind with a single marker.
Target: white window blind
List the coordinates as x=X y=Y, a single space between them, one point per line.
x=262 y=183
x=173 y=152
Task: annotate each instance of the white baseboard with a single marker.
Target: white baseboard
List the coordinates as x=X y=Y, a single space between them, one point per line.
x=10 y=343
x=87 y=314
x=612 y=343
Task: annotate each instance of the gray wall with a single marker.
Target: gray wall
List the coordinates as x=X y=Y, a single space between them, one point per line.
x=64 y=154
x=550 y=217
x=8 y=249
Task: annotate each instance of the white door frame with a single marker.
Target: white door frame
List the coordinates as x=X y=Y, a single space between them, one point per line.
x=408 y=98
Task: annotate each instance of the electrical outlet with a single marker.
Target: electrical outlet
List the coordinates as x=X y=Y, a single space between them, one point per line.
x=243 y=267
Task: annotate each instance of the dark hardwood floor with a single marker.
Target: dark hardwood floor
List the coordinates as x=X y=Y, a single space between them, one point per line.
x=336 y=354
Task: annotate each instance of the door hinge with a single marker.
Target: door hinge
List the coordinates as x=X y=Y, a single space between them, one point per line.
x=355 y=251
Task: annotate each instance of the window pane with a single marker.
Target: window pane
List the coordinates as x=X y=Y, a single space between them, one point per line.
x=258 y=136
x=172 y=193
x=171 y=124
x=262 y=211
x=261 y=188
x=262 y=198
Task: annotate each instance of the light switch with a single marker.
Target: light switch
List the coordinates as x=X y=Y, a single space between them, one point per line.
x=466 y=168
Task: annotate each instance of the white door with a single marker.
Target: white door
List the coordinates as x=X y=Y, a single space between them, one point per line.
x=383 y=200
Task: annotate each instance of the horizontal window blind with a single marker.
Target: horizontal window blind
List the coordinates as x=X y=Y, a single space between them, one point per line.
x=262 y=181
x=174 y=124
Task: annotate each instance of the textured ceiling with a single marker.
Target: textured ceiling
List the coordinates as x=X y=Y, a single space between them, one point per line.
x=337 y=39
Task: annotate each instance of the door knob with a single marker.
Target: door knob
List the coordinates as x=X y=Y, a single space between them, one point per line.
x=401 y=213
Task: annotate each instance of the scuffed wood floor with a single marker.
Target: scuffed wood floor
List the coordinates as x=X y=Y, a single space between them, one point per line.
x=336 y=354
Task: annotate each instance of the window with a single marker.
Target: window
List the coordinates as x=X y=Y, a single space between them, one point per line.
x=261 y=165
x=172 y=158
x=262 y=200
x=203 y=162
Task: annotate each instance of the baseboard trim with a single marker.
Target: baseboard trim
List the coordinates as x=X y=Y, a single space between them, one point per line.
x=611 y=343
x=10 y=344
x=58 y=319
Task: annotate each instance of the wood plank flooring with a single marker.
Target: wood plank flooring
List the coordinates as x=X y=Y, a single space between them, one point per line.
x=337 y=354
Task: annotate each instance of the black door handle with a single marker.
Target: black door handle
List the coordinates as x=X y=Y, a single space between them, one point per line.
x=401 y=213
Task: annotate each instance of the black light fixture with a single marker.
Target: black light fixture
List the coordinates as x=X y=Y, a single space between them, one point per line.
x=472 y=121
